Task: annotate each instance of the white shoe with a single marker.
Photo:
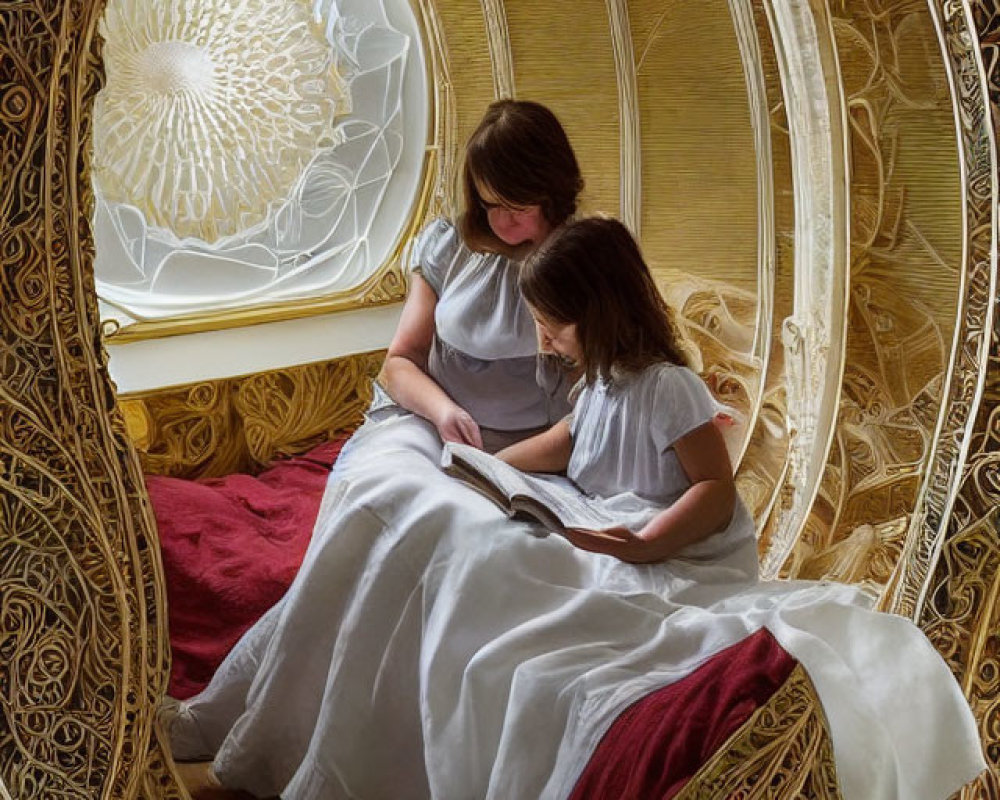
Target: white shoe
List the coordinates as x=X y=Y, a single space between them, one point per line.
x=182 y=731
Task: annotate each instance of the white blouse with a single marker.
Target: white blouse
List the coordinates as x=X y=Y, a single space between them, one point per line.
x=624 y=429
x=485 y=349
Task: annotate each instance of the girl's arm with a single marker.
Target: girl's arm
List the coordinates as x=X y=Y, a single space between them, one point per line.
x=705 y=508
x=405 y=370
x=544 y=452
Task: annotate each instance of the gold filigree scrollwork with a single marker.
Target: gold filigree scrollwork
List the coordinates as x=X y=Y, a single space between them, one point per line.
x=972 y=335
x=83 y=652
x=717 y=322
x=896 y=351
x=783 y=751
x=952 y=580
x=240 y=424
x=889 y=398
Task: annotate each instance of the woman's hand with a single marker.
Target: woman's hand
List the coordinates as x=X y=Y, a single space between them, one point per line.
x=455 y=424
x=618 y=542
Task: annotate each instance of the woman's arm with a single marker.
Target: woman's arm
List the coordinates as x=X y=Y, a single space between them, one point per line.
x=545 y=452
x=405 y=370
x=705 y=508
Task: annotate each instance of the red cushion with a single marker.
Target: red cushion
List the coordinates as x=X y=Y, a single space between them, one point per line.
x=658 y=743
x=231 y=547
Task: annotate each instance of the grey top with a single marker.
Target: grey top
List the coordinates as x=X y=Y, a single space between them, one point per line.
x=485 y=349
x=624 y=429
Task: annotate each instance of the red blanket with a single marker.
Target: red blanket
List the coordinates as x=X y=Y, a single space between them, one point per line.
x=231 y=547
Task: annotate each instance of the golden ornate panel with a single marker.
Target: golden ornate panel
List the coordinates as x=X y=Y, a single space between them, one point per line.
x=873 y=435
x=240 y=424
x=957 y=592
x=905 y=212
x=83 y=648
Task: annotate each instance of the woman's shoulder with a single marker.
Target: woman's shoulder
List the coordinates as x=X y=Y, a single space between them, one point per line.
x=675 y=386
x=439 y=234
x=433 y=251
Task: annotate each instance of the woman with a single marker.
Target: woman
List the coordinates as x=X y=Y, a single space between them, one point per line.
x=462 y=366
x=464 y=355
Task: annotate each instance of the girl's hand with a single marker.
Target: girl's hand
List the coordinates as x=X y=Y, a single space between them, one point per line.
x=618 y=542
x=455 y=424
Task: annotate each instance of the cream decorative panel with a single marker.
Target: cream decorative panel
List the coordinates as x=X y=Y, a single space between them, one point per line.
x=813 y=335
x=210 y=113
x=498 y=39
x=906 y=233
x=629 y=142
x=762 y=472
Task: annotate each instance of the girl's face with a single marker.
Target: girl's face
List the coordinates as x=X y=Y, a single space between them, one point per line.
x=558 y=338
x=513 y=225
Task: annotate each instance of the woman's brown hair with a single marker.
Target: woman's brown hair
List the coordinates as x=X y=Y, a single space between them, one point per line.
x=591 y=273
x=521 y=153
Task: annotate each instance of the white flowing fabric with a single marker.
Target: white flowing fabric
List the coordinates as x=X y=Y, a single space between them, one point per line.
x=431 y=647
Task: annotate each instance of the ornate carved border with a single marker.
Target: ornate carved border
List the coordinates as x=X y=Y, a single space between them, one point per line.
x=956 y=577
x=240 y=424
x=499 y=43
x=815 y=332
x=83 y=651
x=967 y=375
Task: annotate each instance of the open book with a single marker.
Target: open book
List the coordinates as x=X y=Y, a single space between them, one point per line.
x=556 y=506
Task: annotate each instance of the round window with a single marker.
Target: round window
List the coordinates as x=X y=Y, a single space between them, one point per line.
x=252 y=153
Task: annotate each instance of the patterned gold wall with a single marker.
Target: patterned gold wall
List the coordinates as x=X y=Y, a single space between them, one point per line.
x=873 y=433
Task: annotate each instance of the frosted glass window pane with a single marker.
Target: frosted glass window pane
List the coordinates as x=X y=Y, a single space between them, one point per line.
x=244 y=150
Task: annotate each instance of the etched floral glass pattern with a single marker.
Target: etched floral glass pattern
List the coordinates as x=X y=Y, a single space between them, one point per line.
x=243 y=151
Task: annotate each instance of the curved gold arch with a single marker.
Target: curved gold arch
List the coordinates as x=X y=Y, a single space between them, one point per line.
x=84 y=651
x=903 y=496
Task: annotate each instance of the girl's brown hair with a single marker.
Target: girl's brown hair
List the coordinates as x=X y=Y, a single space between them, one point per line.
x=521 y=153
x=590 y=273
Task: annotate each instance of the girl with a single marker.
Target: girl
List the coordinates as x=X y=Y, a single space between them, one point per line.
x=643 y=420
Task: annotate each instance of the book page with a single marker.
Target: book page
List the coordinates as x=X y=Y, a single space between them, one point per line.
x=527 y=493
x=570 y=506
x=477 y=467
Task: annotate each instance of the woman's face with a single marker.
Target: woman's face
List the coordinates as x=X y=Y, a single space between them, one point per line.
x=558 y=338
x=513 y=225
